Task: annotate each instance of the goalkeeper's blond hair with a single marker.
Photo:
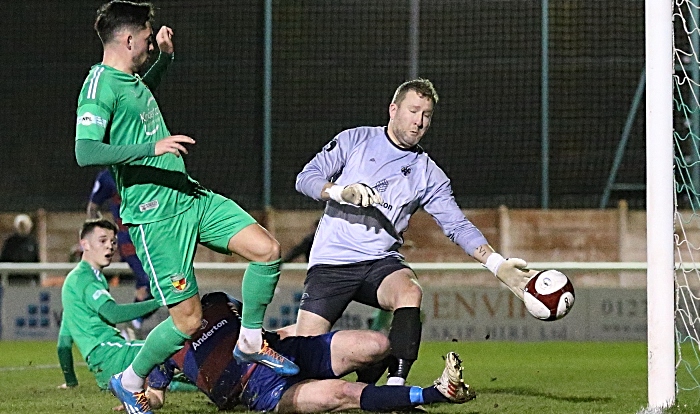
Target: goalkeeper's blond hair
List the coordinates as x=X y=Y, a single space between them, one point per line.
x=422 y=87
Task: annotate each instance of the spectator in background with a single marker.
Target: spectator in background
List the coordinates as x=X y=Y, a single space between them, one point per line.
x=21 y=247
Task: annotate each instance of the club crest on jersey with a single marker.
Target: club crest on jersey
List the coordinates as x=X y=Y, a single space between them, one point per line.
x=405 y=170
x=179 y=282
x=381 y=186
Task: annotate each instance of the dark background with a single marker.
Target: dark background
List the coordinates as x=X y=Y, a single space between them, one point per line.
x=336 y=65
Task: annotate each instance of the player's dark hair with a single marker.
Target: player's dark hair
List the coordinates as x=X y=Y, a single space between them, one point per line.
x=119 y=14
x=422 y=87
x=90 y=225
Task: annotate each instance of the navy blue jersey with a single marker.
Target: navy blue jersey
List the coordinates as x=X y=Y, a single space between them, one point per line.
x=104 y=191
x=207 y=359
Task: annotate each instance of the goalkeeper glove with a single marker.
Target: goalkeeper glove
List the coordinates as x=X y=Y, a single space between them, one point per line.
x=359 y=194
x=512 y=272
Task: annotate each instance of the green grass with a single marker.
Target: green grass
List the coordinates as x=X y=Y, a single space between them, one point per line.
x=537 y=378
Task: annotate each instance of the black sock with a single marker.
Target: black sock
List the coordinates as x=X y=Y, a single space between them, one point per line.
x=372 y=373
x=405 y=337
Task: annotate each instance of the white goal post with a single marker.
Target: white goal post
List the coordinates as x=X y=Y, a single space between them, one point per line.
x=660 y=203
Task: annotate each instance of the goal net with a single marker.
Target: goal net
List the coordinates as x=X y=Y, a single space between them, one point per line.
x=686 y=125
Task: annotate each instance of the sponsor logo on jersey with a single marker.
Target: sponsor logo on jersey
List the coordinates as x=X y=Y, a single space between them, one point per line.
x=150 y=118
x=88 y=119
x=179 y=282
x=381 y=186
x=150 y=115
x=148 y=206
x=331 y=145
x=208 y=334
x=99 y=293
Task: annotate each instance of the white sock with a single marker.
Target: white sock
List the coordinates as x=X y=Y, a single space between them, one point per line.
x=396 y=381
x=250 y=340
x=131 y=381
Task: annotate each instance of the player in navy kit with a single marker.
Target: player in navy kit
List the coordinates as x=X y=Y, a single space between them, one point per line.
x=373 y=179
x=207 y=361
x=104 y=190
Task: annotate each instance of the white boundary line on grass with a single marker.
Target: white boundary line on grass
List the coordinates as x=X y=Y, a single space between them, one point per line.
x=44 y=366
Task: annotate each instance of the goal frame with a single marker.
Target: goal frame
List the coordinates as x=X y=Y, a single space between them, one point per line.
x=660 y=203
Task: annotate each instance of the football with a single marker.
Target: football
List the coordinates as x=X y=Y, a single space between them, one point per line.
x=549 y=295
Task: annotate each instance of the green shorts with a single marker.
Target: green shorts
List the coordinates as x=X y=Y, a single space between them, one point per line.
x=111 y=358
x=166 y=248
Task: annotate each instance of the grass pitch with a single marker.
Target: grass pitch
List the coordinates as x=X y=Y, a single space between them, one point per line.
x=537 y=378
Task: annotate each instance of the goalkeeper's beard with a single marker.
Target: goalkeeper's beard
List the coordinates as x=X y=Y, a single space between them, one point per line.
x=405 y=139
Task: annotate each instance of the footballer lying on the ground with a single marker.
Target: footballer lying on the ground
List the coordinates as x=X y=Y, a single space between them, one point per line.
x=207 y=361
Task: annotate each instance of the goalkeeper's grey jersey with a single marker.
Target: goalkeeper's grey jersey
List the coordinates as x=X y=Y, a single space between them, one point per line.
x=406 y=179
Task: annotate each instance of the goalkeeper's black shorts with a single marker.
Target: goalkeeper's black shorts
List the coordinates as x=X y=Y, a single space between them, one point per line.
x=328 y=289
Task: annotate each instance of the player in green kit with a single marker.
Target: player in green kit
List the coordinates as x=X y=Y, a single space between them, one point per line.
x=119 y=124
x=87 y=304
x=90 y=314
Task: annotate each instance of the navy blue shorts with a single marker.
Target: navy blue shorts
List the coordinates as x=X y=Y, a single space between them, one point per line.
x=313 y=356
x=140 y=276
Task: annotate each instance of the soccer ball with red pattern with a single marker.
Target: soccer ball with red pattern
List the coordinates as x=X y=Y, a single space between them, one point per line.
x=549 y=295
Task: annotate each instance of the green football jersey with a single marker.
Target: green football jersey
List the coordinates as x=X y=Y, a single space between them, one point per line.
x=119 y=109
x=84 y=291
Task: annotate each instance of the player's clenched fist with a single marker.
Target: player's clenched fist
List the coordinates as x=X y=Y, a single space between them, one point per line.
x=173 y=144
x=358 y=194
x=164 y=38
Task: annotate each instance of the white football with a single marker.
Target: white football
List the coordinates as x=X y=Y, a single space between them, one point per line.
x=549 y=295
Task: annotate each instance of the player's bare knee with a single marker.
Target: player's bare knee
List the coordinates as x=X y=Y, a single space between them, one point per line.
x=378 y=346
x=188 y=324
x=267 y=250
x=274 y=251
x=348 y=394
x=193 y=326
x=410 y=296
x=415 y=292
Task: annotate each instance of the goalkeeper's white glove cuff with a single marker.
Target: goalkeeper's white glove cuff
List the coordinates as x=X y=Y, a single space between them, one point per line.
x=494 y=261
x=335 y=193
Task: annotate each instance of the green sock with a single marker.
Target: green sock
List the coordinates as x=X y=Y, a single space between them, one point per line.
x=381 y=319
x=163 y=341
x=259 y=282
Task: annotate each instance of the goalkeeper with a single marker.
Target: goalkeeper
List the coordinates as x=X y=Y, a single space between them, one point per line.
x=90 y=314
x=373 y=179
